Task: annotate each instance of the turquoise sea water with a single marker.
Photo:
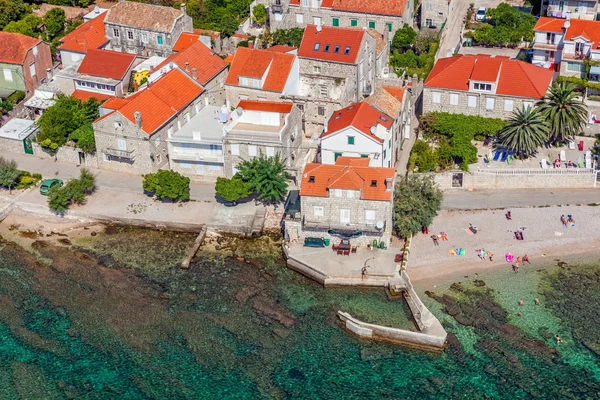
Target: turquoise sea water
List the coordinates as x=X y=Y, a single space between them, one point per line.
x=114 y=318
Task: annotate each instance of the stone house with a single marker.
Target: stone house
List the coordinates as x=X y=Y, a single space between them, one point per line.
x=434 y=13
x=17 y=134
x=101 y=74
x=261 y=75
x=338 y=67
x=264 y=128
x=491 y=87
x=203 y=65
x=211 y=39
x=572 y=9
x=386 y=16
x=145 y=29
x=131 y=133
x=89 y=35
x=346 y=199
x=26 y=63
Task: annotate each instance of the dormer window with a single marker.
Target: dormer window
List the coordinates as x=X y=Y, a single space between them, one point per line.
x=326 y=49
x=347 y=51
x=336 y=50
x=373 y=183
x=311 y=179
x=317 y=46
x=486 y=87
x=383 y=119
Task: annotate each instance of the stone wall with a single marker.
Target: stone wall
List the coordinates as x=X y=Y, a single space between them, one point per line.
x=215 y=88
x=235 y=93
x=434 y=13
x=13 y=145
x=498 y=111
x=67 y=154
x=518 y=179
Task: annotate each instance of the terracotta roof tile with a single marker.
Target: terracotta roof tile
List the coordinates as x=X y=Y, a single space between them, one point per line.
x=15 y=46
x=396 y=91
x=114 y=103
x=185 y=40
x=577 y=27
x=385 y=102
x=317 y=179
x=240 y=36
x=89 y=35
x=145 y=16
x=380 y=44
x=514 y=77
x=84 y=95
x=550 y=24
x=160 y=101
x=324 y=45
x=281 y=48
x=106 y=64
x=361 y=116
x=268 y=106
x=254 y=63
x=207 y=63
x=381 y=7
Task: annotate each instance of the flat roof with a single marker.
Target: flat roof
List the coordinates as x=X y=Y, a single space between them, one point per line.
x=17 y=129
x=206 y=122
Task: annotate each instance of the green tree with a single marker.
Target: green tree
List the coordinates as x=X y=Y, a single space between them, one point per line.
x=84 y=138
x=26 y=26
x=288 y=37
x=566 y=115
x=229 y=25
x=260 y=13
x=232 y=189
x=11 y=10
x=417 y=199
x=525 y=132
x=404 y=37
x=167 y=185
x=197 y=10
x=86 y=181
x=9 y=174
x=265 y=176
x=59 y=199
x=55 y=22
x=425 y=39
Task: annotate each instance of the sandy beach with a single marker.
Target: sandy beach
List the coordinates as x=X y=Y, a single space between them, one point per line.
x=545 y=239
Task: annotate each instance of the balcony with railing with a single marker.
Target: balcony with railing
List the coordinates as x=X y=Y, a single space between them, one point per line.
x=123 y=154
x=187 y=154
x=577 y=56
x=546 y=45
x=342 y=228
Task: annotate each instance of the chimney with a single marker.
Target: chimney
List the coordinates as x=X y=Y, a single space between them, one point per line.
x=187 y=67
x=195 y=74
x=183 y=9
x=389 y=184
x=251 y=44
x=137 y=116
x=49 y=74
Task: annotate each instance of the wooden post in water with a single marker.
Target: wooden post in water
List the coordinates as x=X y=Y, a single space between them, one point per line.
x=197 y=243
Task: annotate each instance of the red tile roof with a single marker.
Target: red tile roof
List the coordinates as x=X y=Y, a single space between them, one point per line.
x=268 y=106
x=254 y=63
x=84 y=95
x=332 y=37
x=15 y=46
x=281 y=48
x=380 y=44
x=386 y=102
x=106 y=64
x=207 y=63
x=513 y=77
x=240 y=36
x=590 y=30
x=550 y=24
x=145 y=16
x=347 y=173
x=360 y=116
x=89 y=35
x=185 y=40
x=159 y=102
x=381 y=7
x=395 y=91
x=205 y=32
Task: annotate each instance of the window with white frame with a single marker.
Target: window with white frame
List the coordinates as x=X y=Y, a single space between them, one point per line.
x=278 y=17
x=299 y=18
x=243 y=81
x=32 y=69
x=144 y=37
x=122 y=143
x=116 y=32
x=527 y=104
x=7 y=75
x=472 y=101
x=436 y=97
x=508 y=105
x=34 y=50
x=270 y=152
x=243 y=97
x=490 y=103
x=337 y=192
x=129 y=35
x=252 y=151
x=575 y=67
x=370 y=215
x=304 y=3
x=486 y=87
x=453 y=99
x=316 y=69
x=235 y=149
x=318 y=211
x=317 y=21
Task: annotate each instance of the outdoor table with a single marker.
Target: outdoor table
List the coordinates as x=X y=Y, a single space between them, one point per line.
x=344 y=245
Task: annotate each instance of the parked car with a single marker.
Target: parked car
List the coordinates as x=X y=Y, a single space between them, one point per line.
x=48 y=184
x=480 y=16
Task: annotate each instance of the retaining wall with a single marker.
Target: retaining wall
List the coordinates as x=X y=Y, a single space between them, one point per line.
x=67 y=154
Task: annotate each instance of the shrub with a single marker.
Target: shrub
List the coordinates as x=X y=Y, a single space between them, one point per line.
x=417 y=199
x=59 y=199
x=75 y=191
x=265 y=176
x=167 y=185
x=9 y=174
x=232 y=189
x=84 y=138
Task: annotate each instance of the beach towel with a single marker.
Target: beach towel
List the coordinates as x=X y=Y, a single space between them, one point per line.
x=509 y=257
x=452 y=253
x=557 y=233
x=461 y=252
x=469 y=232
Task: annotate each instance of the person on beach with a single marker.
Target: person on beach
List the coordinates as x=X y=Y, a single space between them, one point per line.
x=558 y=339
x=526 y=259
x=570 y=220
x=563 y=220
x=435 y=240
x=537 y=301
x=518 y=260
x=363 y=272
x=521 y=302
x=491 y=256
x=517 y=266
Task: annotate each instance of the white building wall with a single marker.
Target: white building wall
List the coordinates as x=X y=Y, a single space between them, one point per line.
x=68 y=58
x=292 y=84
x=363 y=146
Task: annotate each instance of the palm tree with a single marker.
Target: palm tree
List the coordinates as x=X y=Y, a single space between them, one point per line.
x=525 y=131
x=565 y=114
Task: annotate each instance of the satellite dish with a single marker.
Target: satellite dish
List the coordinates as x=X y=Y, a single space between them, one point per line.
x=373 y=130
x=239 y=111
x=319 y=28
x=567 y=24
x=379 y=225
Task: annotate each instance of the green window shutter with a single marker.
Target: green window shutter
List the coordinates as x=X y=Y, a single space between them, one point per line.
x=372 y=24
x=159 y=39
x=389 y=25
x=335 y=21
x=353 y=22
x=364 y=156
x=350 y=139
x=336 y=155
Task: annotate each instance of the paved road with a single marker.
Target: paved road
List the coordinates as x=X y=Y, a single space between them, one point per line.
x=490 y=199
x=104 y=179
